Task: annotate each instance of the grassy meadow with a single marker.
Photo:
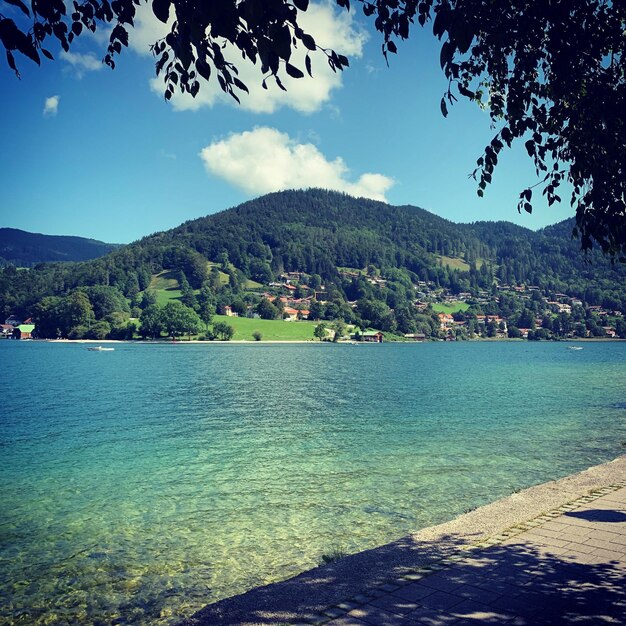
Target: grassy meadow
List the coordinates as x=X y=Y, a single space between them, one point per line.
x=271 y=330
x=450 y=308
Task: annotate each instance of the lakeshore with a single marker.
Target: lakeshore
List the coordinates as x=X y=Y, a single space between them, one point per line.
x=349 y=586
x=165 y=342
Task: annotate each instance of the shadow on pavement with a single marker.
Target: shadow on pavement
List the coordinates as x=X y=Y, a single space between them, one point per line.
x=599 y=515
x=522 y=582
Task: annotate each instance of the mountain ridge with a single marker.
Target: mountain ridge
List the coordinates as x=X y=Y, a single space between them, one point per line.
x=25 y=248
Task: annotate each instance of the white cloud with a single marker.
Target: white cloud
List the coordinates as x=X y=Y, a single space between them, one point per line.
x=330 y=27
x=264 y=160
x=51 y=106
x=148 y=29
x=82 y=63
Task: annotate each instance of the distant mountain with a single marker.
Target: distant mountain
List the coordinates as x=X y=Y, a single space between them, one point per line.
x=24 y=249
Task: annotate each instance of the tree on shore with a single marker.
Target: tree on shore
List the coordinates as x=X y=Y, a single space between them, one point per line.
x=223 y=331
x=320 y=331
x=179 y=319
x=151 y=321
x=551 y=74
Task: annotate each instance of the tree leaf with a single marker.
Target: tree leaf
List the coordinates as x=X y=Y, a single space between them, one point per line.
x=308 y=41
x=11 y=62
x=302 y=5
x=447 y=50
x=444 y=108
x=293 y=71
x=161 y=9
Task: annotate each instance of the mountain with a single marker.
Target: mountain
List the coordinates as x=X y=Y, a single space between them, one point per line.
x=330 y=234
x=24 y=249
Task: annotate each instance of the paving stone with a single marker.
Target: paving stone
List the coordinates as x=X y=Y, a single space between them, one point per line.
x=477 y=594
x=347 y=621
x=377 y=617
x=393 y=604
x=440 y=582
x=598 y=543
x=429 y=617
x=476 y=611
x=609 y=555
x=440 y=600
x=362 y=598
x=414 y=592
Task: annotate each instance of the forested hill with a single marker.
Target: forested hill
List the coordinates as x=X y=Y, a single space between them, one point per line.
x=316 y=231
x=327 y=233
x=24 y=249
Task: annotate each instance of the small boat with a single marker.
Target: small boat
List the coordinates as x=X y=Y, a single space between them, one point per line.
x=574 y=347
x=100 y=349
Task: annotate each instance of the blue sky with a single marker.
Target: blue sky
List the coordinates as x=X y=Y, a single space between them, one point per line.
x=98 y=153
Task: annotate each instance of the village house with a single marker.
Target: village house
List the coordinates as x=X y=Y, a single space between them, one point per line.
x=559 y=307
x=23 y=331
x=415 y=336
x=446 y=321
x=6 y=330
x=228 y=311
x=289 y=314
x=371 y=336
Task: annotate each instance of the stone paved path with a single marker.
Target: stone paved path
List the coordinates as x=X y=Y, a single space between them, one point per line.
x=566 y=567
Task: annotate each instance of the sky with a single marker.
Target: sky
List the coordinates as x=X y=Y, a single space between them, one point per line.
x=99 y=153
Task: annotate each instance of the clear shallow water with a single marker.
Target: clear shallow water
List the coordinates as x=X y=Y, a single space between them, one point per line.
x=138 y=485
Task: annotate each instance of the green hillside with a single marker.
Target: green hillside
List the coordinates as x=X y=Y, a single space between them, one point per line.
x=352 y=259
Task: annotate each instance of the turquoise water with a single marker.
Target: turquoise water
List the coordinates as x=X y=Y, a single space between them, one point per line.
x=140 y=484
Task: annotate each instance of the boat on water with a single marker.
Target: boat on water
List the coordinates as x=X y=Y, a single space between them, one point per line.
x=574 y=348
x=100 y=349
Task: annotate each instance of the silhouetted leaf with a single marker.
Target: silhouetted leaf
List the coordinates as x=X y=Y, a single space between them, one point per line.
x=11 y=62
x=444 y=108
x=293 y=71
x=308 y=41
x=445 y=56
x=161 y=9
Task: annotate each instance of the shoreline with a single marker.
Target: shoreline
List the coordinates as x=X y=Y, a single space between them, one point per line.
x=167 y=342
x=308 y=594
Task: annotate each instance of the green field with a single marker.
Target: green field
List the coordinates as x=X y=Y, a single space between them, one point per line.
x=454 y=263
x=165 y=285
x=450 y=308
x=271 y=330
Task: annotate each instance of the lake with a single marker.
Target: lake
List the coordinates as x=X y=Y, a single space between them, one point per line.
x=140 y=484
